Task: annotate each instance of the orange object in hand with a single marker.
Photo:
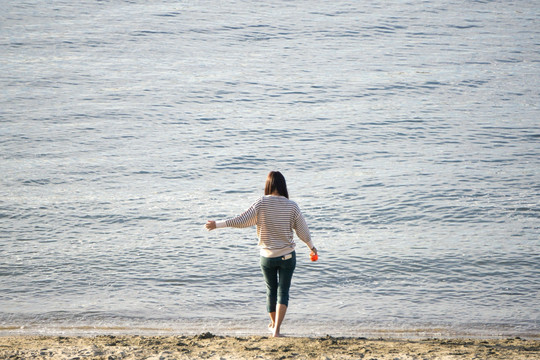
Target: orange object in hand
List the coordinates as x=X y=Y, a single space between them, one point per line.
x=313 y=256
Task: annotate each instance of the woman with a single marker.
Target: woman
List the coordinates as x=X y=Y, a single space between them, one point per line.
x=276 y=217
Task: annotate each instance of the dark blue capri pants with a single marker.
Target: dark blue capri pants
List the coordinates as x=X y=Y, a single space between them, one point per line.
x=277 y=274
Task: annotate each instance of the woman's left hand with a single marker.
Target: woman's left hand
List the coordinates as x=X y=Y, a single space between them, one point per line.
x=210 y=225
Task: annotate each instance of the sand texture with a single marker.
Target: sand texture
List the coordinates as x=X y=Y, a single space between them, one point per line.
x=208 y=346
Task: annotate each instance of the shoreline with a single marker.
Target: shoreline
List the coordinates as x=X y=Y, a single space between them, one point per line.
x=210 y=346
x=258 y=328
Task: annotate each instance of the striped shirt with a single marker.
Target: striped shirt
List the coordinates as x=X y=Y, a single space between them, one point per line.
x=275 y=217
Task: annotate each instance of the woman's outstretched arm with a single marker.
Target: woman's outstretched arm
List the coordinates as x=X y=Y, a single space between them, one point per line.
x=248 y=218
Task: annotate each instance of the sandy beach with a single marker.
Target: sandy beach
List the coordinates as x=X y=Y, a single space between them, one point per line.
x=209 y=346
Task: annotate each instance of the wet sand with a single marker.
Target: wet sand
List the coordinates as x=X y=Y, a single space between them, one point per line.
x=209 y=346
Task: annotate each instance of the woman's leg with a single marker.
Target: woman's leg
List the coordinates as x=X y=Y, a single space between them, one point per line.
x=272 y=321
x=286 y=271
x=270 y=273
x=280 y=315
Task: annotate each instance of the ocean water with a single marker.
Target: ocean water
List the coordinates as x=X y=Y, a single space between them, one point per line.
x=409 y=134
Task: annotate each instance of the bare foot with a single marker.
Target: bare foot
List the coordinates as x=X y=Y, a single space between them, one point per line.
x=271 y=327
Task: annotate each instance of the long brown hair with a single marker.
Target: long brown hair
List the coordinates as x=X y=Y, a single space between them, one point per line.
x=276 y=182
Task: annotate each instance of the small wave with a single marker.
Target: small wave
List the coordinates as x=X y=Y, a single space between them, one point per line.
x=150 y=33
x=463 y=27
x=170 y=14
x=34 y=182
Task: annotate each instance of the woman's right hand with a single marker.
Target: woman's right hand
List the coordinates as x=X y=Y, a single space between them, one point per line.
x=210 y=225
